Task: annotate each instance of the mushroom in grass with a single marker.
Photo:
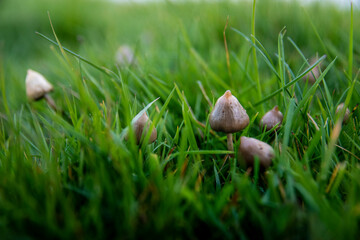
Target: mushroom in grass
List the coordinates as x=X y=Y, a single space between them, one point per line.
x=314 y=73
x=339 y=108
x=271 y=119
x=250 y=148
x=141 y=127
x=228 y=116
x=125 y=56
x=37 y=87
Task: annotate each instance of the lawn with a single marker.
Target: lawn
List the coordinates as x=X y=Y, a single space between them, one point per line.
x=77 y=172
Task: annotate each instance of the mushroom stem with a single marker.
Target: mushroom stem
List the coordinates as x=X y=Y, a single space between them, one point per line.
x=50 y=101
x=230 y=142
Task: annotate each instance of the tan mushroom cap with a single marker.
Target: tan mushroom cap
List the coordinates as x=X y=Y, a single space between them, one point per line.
x=36 y=85
x=251 y=147
x=347 y=112
x=144 y=123
x=271 y=119
x=314 y=73
x=228 y=115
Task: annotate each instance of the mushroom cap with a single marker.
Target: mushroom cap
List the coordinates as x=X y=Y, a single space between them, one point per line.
x=124 y=55
x=36 y=85
x=251 y=147
x=347 y=112
x=272 y=118
x=314 y=73
x=141 y=125
x=228 y=115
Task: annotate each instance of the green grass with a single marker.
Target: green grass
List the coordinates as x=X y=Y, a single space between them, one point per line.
x=70 y=174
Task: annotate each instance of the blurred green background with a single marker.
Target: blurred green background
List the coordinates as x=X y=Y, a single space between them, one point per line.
x=95 y=29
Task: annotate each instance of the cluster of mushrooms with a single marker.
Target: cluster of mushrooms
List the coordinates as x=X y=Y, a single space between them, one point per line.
x=227 y=116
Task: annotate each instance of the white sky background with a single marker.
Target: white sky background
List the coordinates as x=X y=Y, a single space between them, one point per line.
x=342 y=3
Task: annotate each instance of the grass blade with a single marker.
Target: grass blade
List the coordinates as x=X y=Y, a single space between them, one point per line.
x=292 y=82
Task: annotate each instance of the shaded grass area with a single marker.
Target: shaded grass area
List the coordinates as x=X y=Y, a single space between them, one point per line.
x=70 y=173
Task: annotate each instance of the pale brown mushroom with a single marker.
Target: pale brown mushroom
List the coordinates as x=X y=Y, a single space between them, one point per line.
x=271 y=119
x=141 y=127
x=250 y=148
x=339 y=108
x=314 y=73
x=228 y=116
x=125 y=55
x=37 y=87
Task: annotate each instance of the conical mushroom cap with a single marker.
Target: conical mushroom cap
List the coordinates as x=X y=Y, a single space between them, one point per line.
x=347 y=112
x=228 y=115
x=251 y=147
x=272 y=118
x=36 y=85
x=143 y=123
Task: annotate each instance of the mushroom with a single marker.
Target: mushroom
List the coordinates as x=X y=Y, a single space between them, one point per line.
x=250 y=148
x=314 y=73
x=125 y=55
x=271 y=119
x=37 y=87
x=339 y=109
x=141 y=127
x=228 y=116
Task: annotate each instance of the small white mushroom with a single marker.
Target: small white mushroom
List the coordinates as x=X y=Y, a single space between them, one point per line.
x=228 y=116
x=141 y=127
x=339 y=108
x=37 y=87
x=271 y=119
x=125 y=55
x=250 y=148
